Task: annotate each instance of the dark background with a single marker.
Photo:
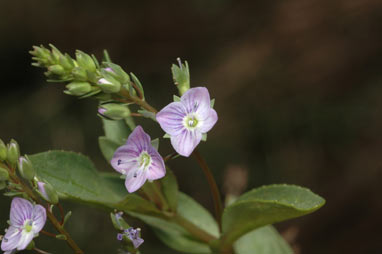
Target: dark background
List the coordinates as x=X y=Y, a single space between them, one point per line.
x=298 y=93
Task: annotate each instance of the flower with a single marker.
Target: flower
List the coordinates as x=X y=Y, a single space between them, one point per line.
x=186 y=120
x=26 y=220
x=138 y=160
x=133 y=235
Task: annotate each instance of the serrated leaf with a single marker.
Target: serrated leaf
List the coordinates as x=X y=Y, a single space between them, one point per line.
x=266 y=205
x=264 y=240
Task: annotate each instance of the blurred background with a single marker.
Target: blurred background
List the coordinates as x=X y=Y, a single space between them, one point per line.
x=298 y=88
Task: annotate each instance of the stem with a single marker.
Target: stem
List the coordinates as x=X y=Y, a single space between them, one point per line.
x=48 y=233
x=194 y=230
x=213 y=186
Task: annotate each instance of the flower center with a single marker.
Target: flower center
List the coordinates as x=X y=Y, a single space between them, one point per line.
x=28 y=225
x=144 y=160
x=190 y=121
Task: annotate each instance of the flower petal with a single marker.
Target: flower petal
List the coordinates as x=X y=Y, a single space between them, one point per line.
x=21 y=210
x=208 y=122
x=25 y=239
x=139 y=140
x=125 y=157
x=11 y=239
x=134 y=182
x=157 y=168
x=197 y=100
x=171 y=118
x=186 y=142
x=38 y=218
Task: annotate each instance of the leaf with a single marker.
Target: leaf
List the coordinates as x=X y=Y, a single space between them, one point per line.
x=170 y=189
x=107 y=147
x=265 y=240
x=266 y=205
x=116 y=131
x=74 y=177
x=177 y=237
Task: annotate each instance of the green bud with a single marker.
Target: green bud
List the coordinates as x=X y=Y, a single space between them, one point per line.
x=116 y=71
x=118 y=222
x=3 y=151
x=47 y=192
x=85 y=61
x=3 y=185
x=181 y=76
x=56 y=54
x=79 y=74
x=114 y=111
x=66 y=61
x=78 y=88
x=109 y=84
x=56 y=69
x=26 y=168
x=4 y=175
x=13 y=152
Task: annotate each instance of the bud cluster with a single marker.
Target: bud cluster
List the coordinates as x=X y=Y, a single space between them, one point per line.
x=84 y=75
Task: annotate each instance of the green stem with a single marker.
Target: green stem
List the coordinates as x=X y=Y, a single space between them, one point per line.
x=213 y=186
x=192 y=229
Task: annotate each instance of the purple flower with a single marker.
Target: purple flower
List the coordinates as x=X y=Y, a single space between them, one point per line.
x=26 y=220
x=133 y=235
x=138 y=160
x=186 y=120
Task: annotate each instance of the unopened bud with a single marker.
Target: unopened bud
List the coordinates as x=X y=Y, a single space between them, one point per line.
x=25 y=167
x=78 y=88
x=56 y=69
x=66 y=61
x=4 y=175
x=109 y=85
x=13 y=152
x=114 y=111
x=3 y=151
x=47 y=192
x=85 y=61
x=118 y=222
x=79 y=73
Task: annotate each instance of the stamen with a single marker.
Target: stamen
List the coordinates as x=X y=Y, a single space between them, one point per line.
x=119 y=162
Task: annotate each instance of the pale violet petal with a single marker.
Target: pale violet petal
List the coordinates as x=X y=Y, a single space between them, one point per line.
x=11 y=239
x=170 y=118
x=136 y=181
x=157 y=168
x=186 y=142
x=39 y=218
x=25 y=239
x=137 y=242
x=125 y=157
x=139 y=140
x=21 y=210
x=197 y=100
x=207 y=123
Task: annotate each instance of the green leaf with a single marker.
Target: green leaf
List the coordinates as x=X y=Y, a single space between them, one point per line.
x=177 y=237
x=74 y=177
x=265 y=240
x=116 y=131
x=170 y=189
x=266 y=205
x=107 y=147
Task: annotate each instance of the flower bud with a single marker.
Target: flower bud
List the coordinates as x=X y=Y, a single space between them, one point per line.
x=79 y=74
x=3 y=151
x=78 y=88
x=181 y=76
x=56 y=69
x=66 y=61
x=13 y=152
x=85 y=61
x=4 y=175
x=109 y=85
x=25 y=167
x=47 y=192
x=118 y=222
x=114 y=111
